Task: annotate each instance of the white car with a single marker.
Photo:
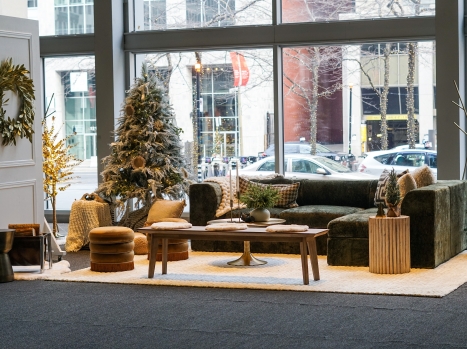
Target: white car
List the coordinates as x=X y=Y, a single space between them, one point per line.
x=304 y=166
x=376 y=161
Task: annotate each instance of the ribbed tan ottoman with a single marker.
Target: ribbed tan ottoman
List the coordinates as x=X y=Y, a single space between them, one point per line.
x=177 y=251
x=111 y=249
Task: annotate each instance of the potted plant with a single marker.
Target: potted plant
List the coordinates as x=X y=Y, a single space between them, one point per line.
x=393 y=195
x=260 y=198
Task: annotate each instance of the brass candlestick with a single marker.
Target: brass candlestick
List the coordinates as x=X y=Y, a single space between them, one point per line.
x=231 y=211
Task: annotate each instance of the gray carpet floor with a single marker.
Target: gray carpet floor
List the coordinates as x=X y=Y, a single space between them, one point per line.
x=49 y=314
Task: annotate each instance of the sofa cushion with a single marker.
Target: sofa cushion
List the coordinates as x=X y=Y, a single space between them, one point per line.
x=288 y=192
x=316 y=216
x=423 y=176
x=406 y=183
x=351 y=226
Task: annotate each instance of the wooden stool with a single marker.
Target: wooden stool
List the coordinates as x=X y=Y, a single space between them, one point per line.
x=389 y=240
x=111 y=249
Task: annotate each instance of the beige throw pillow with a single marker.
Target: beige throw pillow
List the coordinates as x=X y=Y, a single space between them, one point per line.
x=165 y=209
x=423 y=176
x=406 y=184
x=288 y=192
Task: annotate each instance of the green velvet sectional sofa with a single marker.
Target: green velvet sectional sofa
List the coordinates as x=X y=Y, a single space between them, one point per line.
x=437 y=213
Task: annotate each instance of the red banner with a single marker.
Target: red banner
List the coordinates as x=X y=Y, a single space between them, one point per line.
x=241 y=72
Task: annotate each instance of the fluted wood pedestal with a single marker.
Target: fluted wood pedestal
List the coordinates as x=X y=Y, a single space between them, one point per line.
x=389 y=239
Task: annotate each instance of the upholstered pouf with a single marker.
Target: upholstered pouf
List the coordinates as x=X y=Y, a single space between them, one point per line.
x=141 y=244
x=111 y=249
x=178 y=248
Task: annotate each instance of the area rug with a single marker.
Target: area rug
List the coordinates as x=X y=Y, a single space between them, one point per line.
x=283 y=272
x=33 y=272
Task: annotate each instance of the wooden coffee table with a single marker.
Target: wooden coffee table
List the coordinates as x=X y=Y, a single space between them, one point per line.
x=305 y=239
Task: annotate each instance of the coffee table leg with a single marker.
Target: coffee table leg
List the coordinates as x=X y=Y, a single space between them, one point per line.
x=247 y=258
x=313 y=257
x=165 y=248
x=303 y=254
x=153 y=256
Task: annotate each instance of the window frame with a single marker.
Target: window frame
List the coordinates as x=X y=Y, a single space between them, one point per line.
x=444 y=28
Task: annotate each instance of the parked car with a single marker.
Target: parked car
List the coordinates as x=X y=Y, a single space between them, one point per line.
x=376 y=161
x=426 y=145
x=305 y=148
x=304 y=166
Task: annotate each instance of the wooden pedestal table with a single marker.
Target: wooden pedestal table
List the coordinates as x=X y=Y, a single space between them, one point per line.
x=389 y=239
x=247 y=259
x=306 y=239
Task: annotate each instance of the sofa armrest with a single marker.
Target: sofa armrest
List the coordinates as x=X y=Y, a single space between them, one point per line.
x=436 y=222
x=205 y=198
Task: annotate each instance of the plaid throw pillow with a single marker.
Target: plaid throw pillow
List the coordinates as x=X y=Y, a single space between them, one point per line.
x=288 y=192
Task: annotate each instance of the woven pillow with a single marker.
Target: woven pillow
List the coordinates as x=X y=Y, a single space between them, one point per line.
x=423 y=176
x=170 y=225
x=380 y=196
x=282 y=228
x=406 y=184
x=226 y=227
x=288 y=193
x=165 y=209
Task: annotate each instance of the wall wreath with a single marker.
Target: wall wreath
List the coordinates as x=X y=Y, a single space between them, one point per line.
x=15 y=78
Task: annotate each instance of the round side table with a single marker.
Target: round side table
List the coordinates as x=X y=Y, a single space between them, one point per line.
x=6 y=243
x=389 y=239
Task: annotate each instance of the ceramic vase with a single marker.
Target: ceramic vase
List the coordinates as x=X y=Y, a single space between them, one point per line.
x=260 y=214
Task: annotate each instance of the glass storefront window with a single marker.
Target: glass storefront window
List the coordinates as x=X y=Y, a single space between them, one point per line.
x=71 y=92
x=63 y=17
x=180 y=14
x=235 y=93
x=294 y=11
x=329 y=90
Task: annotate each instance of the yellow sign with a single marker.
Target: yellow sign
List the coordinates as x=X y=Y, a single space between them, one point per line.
x=388 y=117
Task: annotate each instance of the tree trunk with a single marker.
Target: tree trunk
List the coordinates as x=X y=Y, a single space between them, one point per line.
x=314 y=102
x=410 y=97
x=384 y=98
x=54 y=214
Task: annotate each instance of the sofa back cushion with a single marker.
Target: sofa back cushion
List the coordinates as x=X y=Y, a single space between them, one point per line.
x=355 y=193
x=287 y=192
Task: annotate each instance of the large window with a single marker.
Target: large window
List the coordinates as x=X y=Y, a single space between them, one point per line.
x=294 y=11
x=235 y=95
x=180 y=14
x=70 y=93
x=63 y=17
x=337 y=95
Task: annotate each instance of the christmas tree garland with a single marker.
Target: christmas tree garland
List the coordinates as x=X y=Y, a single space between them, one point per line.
x=14 y=78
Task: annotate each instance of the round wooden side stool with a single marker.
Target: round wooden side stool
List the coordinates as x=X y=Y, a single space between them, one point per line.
x=111 y=249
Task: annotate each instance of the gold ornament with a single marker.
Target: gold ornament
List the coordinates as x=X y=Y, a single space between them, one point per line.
x=129 y=110
x=138 y=162
x=14 y=78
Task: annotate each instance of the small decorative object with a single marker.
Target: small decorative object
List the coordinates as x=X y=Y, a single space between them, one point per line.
x=260 y=198
x=15 y=78
x=246 y=217
x=380 y=213
x=393 y=195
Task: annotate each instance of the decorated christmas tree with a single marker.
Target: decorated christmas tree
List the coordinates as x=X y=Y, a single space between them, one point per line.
x=146 y=161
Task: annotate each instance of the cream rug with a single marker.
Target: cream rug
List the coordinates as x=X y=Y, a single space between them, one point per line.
x=283 y=272
x=33 y=272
